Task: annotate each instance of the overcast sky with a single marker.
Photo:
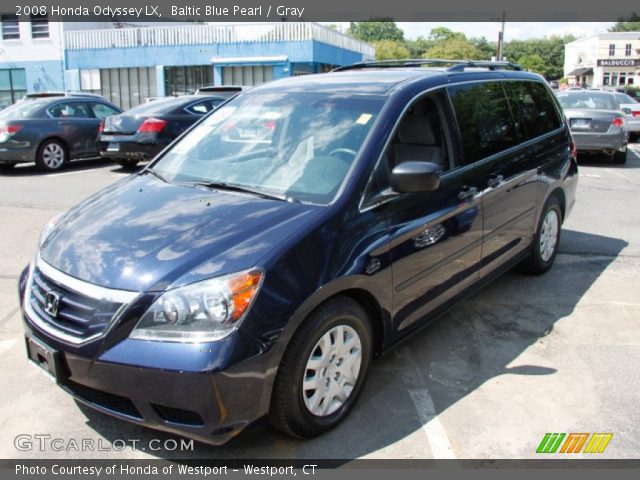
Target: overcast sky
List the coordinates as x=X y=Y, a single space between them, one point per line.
x=513 y=30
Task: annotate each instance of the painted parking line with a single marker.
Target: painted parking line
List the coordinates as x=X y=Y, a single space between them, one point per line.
x=434 y=431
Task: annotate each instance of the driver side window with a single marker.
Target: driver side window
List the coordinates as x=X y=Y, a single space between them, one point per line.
x=420 y=136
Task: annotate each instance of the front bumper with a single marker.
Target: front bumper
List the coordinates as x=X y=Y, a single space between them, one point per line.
x=598 y=142
x=210 y=392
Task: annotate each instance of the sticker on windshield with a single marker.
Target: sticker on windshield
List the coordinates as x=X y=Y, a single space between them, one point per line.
x=364 y=119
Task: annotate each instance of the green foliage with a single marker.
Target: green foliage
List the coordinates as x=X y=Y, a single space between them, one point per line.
x=457 y=49
x=390 y=50
x=631 y=24
x=375 y=30
x=533 y=63
x=550 y=50
x=540 y=55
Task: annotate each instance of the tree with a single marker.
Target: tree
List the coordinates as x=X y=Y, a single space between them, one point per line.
x=631 y=24
x=550 y=50
x=455 y=50
x=443 y=34
x=390 y=50
x=376 y=30
x=533 y=63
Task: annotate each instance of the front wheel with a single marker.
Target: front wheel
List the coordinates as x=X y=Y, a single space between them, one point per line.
x=546 y=240
x=322 y=370
x=52 y=156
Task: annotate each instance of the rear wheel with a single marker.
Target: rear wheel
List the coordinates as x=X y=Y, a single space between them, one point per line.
x=52 y=155
x=619 y=158
x=322 y=370
x=546 y=240
x=126 y=163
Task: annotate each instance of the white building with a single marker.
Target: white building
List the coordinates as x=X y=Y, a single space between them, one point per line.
x=606 y=59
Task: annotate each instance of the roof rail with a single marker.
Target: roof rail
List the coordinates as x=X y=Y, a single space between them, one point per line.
x=453 y=65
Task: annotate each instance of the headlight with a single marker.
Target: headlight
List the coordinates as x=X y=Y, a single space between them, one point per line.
x=51 y=224
x=201 y=312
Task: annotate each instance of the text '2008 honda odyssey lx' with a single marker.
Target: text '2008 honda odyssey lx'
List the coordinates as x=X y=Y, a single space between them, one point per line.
x=256 y=266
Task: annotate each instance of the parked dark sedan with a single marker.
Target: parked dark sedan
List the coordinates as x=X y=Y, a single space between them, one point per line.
x=141 y=133
x=51 y=131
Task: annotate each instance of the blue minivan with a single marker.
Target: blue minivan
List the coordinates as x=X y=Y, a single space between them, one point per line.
x=255 y=268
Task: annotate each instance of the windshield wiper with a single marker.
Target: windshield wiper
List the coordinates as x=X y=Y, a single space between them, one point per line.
x=232 y=187
x=155 y=174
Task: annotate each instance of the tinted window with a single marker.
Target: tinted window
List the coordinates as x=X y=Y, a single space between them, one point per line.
x=203 y=107
x=484 y=119
x=161 y=106
x=100 y=110
x=69 y=110
x=536 y=107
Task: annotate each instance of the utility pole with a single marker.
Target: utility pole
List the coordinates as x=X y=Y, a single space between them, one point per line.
x=501 y=38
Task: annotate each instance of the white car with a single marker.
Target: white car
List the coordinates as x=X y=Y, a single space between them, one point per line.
x=631 y=108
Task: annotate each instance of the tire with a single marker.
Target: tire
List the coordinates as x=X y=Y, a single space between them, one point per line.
x=619 y=158
x=52 y=156
x=301 y=409
x=544 y=249
x=126 y=163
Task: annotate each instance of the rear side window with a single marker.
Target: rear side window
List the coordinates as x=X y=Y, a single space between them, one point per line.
x=536 y=107
x=484 y=119
x=69 y=110
x=100 y=110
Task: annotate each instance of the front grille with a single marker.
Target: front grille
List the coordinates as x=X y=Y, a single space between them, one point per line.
x=76 y=314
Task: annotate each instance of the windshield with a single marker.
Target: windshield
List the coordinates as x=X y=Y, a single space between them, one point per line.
x=297 y=145
x=587 y=100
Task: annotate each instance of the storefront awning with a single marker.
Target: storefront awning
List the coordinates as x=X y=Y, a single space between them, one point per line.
x=581 y=71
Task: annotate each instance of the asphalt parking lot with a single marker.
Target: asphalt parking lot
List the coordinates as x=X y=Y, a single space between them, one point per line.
x=525 y=356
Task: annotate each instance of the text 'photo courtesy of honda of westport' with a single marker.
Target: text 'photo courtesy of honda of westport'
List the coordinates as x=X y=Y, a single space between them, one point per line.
x=257 y=265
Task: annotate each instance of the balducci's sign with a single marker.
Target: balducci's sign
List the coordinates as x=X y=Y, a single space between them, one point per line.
x=612 y=62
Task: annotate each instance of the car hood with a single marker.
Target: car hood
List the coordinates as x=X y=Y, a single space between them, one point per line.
x=142 y=234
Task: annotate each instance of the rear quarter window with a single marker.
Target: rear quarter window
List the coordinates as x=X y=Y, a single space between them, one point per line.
x=536 y=107
x=484 y=119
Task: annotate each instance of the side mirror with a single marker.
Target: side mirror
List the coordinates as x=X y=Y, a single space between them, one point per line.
x=408 y=177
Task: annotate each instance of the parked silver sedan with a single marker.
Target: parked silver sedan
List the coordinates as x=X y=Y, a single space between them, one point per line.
x=596 y=122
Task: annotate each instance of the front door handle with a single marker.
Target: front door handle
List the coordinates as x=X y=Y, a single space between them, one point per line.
x=467 y=192
x=495 y=180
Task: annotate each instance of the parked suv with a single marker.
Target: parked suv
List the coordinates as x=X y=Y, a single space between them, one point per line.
x=258 y=264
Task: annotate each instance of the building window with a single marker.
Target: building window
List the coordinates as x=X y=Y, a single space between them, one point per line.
x=13 y=85
x=90 y=80
x=627 y=50
x=10 y=27
x=39 y=26
x=622 y=78
x=186 y=80
x=126 y=87
x=612 y=49
x=248 y=76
